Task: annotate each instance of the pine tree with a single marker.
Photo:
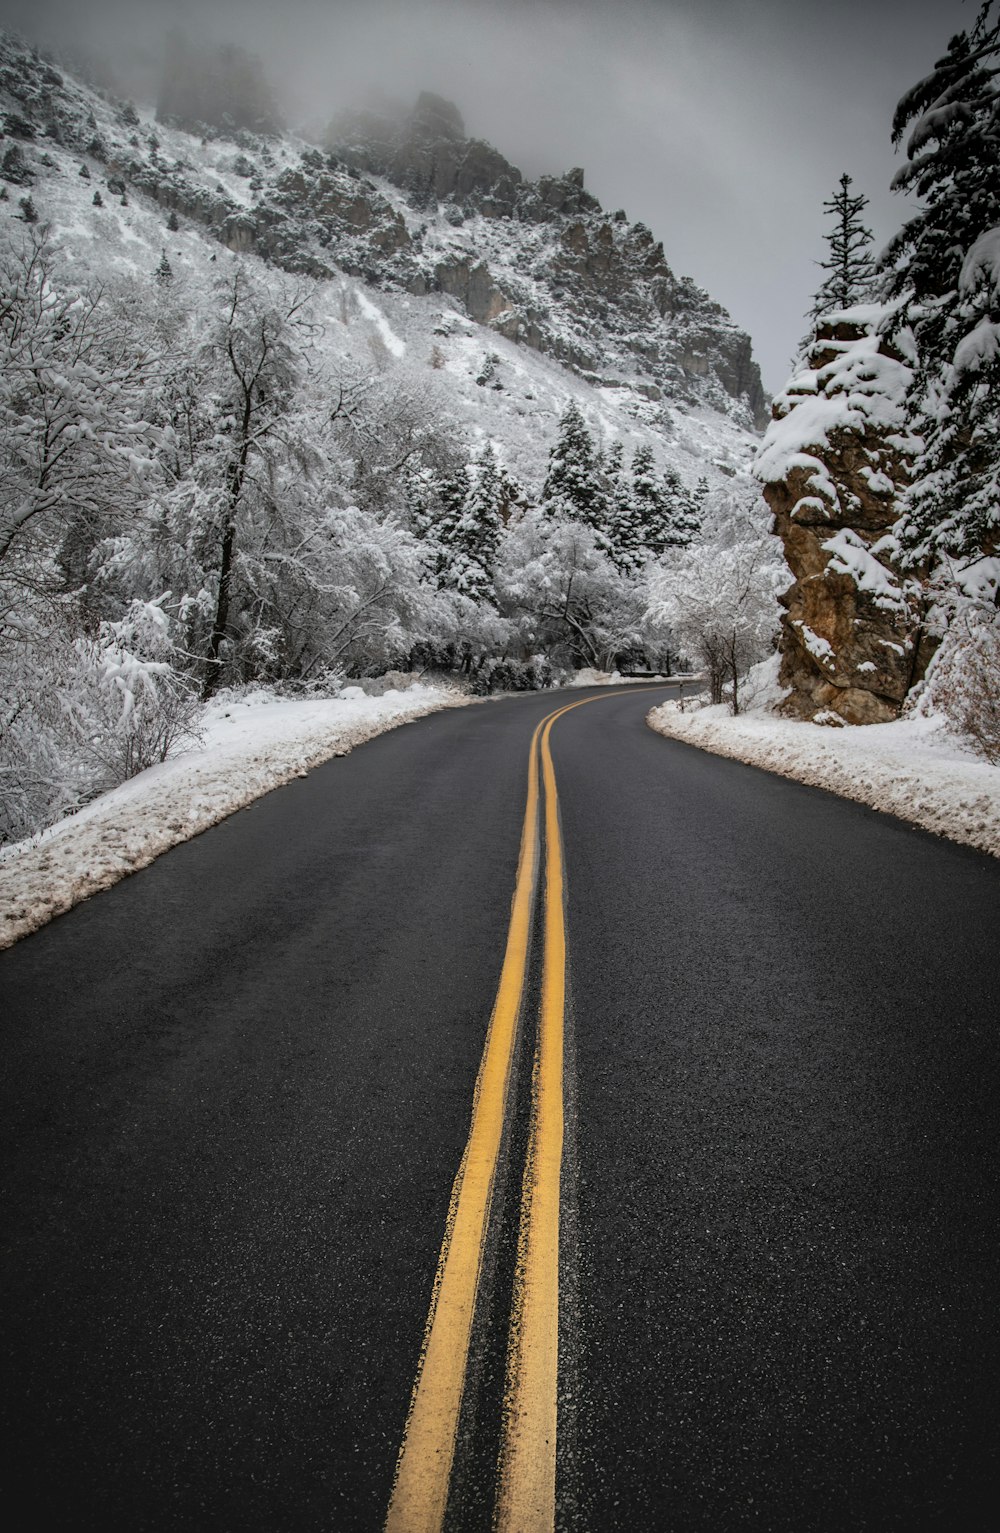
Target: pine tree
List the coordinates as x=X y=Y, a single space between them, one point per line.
x=84 y=173
x=172 y=222
x=650 y=502
x=443 y=522
x=468 y=527
x=13 y=167
x=943 y=279
x=683 y=511
x=850 y=268
x=480 y=527
x=164 y=272
x=623 y=528
x=573 y=486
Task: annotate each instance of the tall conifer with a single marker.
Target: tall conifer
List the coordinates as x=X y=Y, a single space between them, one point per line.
x=943 y=280
x=850 y=270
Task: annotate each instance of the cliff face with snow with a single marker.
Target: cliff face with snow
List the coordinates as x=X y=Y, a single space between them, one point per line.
x=832 y=464
x=499 y=298
x=411 y=204
x=542 y=263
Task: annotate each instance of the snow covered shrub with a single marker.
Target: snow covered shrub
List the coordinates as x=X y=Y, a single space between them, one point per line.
x=39 y=779
x=80 y=713
x=141 y=707
x=504 y=675
x=963 y=682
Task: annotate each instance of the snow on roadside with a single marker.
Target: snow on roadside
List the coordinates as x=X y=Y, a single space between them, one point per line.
x=588 y=677
x=251 y=744
x=913 y=768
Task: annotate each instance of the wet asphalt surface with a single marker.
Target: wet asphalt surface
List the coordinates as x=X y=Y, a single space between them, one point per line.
x=236 y=1088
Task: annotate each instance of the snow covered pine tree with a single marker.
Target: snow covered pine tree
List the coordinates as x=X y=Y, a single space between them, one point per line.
x=943 y=278
x=573 y=486
x=943 y=275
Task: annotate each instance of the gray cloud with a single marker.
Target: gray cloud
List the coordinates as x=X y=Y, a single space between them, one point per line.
x=723 y=124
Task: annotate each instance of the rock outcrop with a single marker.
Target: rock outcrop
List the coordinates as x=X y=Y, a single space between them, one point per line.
x=832 y=464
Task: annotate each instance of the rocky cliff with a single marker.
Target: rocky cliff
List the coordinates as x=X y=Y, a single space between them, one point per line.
x=832 y=464
x=544 y=264
x=407 y=202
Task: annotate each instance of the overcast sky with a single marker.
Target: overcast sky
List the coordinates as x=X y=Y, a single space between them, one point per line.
x=722 y=124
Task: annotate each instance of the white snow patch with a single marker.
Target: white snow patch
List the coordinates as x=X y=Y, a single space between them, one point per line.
x=374 y=313
x=912 y=768
x=251 y=744
x=857 y=390
x=589 y=677
x=818 y=647
x=851 y=556
x=982 y=263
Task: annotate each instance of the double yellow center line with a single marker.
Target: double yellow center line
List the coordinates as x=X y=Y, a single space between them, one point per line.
x=527 y=1471
x=526 y=1493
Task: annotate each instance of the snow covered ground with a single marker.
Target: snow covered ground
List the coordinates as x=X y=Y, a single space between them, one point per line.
x=251 y=744
x=913 y=768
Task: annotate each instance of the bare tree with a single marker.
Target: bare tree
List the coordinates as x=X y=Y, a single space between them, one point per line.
x=256 y=345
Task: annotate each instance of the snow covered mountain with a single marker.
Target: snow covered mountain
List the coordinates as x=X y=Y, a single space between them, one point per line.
x=519 y=296
x=542 y=263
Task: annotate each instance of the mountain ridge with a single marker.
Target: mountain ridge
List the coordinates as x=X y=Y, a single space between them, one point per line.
x=601 y=265
x=408 y=202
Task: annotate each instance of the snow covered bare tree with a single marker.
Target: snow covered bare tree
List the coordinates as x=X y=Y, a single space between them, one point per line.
x=565 y=594
x=74 y=443
x=717 y=598
x=259 y=364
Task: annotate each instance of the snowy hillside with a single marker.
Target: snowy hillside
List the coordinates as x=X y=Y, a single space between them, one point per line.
x=255 y=197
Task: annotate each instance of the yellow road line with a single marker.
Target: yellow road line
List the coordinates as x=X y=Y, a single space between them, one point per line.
x=423 y=1471
x=527 y=1476
x=526 y=1500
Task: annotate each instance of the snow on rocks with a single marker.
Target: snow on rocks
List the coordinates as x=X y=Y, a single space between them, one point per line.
x=911 y=768
x=832 y=464
x=251 y=744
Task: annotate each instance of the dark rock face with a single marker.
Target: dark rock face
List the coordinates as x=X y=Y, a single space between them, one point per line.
x=602 y=286
x=832 y=463
x=428 y=157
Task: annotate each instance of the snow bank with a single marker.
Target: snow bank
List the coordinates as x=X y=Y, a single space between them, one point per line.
x=911 y=768
x=251 y=744
x=588 y=677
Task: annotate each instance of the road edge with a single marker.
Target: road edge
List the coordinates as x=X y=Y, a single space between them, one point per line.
x=23 y=871
x=976 y=824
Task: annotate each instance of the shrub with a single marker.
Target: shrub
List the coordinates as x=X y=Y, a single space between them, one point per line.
x=964 y=680
x=500 y=674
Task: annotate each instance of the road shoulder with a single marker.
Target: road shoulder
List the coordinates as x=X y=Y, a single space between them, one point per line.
x=906 y=769
x=260 y=743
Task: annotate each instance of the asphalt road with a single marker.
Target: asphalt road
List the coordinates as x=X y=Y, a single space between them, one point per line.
x=237 y=1087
